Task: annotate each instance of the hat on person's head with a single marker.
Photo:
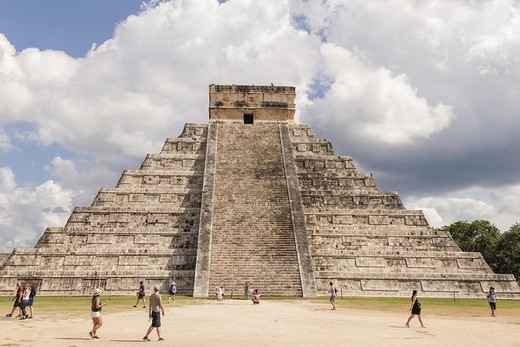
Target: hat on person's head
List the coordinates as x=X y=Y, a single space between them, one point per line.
x=97 y=291
x=157 y=287
x=173 y=283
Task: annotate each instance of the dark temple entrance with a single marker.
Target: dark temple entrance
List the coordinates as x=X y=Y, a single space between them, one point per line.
x=248 y=118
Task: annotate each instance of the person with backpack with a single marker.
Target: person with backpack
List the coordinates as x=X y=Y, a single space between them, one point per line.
x=333 y=292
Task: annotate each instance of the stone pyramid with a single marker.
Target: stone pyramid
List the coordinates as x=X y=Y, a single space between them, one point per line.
x=250 y=196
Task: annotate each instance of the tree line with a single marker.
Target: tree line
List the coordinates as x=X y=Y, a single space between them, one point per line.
x=500 y=250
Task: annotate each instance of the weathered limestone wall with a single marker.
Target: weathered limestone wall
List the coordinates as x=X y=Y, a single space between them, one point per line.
x=365 y=240
x=146 y=228
x=263 y=103
x=3 y=258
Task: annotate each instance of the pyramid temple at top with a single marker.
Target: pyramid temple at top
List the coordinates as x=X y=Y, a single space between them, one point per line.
x=250 y=196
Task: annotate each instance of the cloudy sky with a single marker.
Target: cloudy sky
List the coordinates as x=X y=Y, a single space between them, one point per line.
x=423 y=94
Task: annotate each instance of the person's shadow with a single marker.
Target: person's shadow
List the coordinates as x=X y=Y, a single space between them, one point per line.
x=88 y=338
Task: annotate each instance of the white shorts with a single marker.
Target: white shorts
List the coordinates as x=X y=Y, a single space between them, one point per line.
x=95 y=314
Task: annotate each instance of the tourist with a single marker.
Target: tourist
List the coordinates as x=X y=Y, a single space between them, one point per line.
x=416 y=310
x=219 y=293
x=333 y=291
x=95 y=313
x=16 y=299
x=246 y=290
x=154 y=313
x=32 y=294
x=256 y=297
x=492 y=300
x=24 y=301
x=140 y=294
x=172 y=291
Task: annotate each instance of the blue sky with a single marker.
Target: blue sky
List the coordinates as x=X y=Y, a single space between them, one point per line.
x=424 y=95
x=67 y=25
x=72 y=26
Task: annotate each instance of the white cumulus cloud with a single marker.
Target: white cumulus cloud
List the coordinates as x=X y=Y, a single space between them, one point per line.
x=25 y=212
x=424 y=93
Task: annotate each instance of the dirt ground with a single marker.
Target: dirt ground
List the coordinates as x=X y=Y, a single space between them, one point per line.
x=272 y=323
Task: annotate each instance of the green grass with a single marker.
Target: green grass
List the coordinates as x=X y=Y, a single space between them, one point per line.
x=79 y=304
x=460 y=307
x=437 y=306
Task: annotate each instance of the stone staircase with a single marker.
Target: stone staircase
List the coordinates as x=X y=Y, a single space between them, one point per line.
x=252 y=234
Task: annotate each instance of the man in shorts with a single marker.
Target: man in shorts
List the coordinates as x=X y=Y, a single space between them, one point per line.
x=16 y=299
x=140 y=294
x=492 y=300
x=155 y=308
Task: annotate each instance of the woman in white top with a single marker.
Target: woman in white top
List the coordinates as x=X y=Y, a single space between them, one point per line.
x=25 y=300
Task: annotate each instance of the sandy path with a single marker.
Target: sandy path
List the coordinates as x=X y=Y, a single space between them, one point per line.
x=272 y=323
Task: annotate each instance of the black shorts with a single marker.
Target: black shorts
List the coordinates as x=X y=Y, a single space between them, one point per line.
x=493 y=305
x=156 y=319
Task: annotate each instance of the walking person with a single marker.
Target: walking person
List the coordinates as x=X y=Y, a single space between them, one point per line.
x=246 y=290
x=16 y=299
x=416 y=310
x=31 y=301
x=492 y=300
x=172 y=291
x=24 y=301
x=155 y=308
x=140 y=294
x=95 y=313
x=333 y=292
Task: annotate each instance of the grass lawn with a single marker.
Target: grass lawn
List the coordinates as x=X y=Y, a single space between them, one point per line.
x=440 y=307
x=74 y=305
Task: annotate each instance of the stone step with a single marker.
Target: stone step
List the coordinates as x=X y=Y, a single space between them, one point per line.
x=413 y=276
x=387 y=253
x=419 y=245
x=161 y=190
x=247 y=186
x=134 y=209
